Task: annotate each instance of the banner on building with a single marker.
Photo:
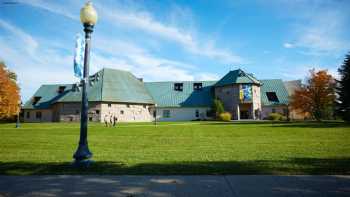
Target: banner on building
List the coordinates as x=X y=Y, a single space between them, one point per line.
x=245 y=93
x=79 y=56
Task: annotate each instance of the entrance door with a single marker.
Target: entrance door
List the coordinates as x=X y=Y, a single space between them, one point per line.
x=244 y=114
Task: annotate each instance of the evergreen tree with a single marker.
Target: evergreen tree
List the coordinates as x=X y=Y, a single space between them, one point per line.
x=343 y=89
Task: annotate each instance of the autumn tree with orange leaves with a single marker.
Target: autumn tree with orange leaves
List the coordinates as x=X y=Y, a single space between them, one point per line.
x=317 y=96
x=9 y=93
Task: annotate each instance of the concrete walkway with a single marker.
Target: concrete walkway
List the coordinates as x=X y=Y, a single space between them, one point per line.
x=130 y=186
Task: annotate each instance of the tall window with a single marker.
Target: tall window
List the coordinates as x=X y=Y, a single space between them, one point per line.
x=197 y=86
x=166 y=113
x=273 y=110
x=178 y=86
x=197 y=113
x=28 y=114
x=38 y=115
x=109 y=105
x=272 y=97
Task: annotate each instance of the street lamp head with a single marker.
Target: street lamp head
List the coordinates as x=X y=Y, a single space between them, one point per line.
x=88 y=14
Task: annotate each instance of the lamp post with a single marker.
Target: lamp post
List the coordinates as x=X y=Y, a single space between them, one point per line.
x=18 y=113
x=88 y=17
x=155 y=114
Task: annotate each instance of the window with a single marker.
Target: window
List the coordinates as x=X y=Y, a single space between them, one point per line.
x=28 y=114
x=90 y=118
x=197 y=113
x=97 y=111
x=38 y=115
x=127 y=105
x=197 y=86
x=36 y=99
x=273 y=110
x=166 y=113
x=272 y=97
x=77 y=111
x=144 y=106
x=285 y=112
x=178 y=86
x=61 y=89
x=121 y=112
x=109 y=105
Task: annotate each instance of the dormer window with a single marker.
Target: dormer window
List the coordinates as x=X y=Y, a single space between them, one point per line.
x=61 y=89
x=197 y=86
x=272 y=97
x=36 y=99
x=178 y=86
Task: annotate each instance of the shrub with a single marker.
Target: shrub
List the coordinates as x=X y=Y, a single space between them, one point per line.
x=217 y=107
x=226 y=116
x=283 y=118
x=274 y=116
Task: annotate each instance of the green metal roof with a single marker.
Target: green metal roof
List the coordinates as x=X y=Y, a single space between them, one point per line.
x=236 y=77
x=277 y=86
x=164 y=95
x=112 y=86
x=122 y=86
x=48 y=94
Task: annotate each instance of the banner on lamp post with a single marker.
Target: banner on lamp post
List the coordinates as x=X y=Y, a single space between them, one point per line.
x=79 y=56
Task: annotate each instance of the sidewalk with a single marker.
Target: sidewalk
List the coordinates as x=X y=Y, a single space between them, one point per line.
x=130 y=186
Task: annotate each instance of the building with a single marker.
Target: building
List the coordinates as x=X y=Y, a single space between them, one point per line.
x=120 y=94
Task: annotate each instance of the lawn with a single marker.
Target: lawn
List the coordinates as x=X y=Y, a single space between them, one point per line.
x=179 y=148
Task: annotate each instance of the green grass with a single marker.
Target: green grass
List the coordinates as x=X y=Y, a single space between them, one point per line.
x=179 y=148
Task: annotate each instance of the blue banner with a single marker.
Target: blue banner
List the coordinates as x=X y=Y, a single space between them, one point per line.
x=79 y=56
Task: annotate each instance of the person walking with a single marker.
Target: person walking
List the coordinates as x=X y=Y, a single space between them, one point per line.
x=115 y=119
x=111 y=120
x=106 y=120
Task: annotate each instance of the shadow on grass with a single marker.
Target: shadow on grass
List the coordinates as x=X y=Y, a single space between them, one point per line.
x=301 y=124
x=288 y=166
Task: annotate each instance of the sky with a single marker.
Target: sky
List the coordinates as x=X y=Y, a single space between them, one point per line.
x=175 y=40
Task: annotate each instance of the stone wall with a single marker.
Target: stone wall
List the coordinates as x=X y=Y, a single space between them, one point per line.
x=127 y=112
x=30 y=115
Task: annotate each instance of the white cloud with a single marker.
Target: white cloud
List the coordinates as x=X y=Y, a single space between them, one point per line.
x=207 y=77
x=143 y=20
x=28 y=42
x=288 y=45
x=320 y=27
x=53 y=7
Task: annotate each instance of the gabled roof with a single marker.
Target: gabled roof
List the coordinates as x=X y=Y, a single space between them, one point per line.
x=113 y=86
x=236 y=77
x=273 y=85
x=164 y=95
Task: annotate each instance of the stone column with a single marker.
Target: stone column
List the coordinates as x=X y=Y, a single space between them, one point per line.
x=238 y=113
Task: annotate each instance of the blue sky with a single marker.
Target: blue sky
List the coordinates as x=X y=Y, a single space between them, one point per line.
x=175 y=40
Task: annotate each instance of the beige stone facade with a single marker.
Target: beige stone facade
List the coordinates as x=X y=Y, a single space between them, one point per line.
x=70 y=112
x=229 y=95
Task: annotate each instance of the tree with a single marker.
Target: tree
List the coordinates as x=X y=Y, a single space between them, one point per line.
x=9 y=93
x=317 y=96
x=217 y=107
x=343 y=89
